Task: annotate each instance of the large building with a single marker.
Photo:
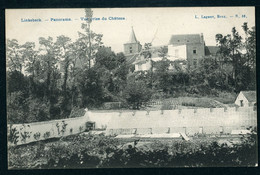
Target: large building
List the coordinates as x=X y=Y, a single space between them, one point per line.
x=188 y=48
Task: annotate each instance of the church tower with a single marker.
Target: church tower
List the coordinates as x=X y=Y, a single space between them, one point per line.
x=133 y=46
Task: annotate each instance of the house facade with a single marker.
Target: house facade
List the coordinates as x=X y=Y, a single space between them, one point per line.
x=189 y=47
x=246 y=99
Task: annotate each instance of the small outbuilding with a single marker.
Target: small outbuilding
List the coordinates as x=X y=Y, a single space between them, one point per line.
x=246 y=99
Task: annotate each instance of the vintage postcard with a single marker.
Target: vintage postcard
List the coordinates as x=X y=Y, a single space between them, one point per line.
x=131 y=87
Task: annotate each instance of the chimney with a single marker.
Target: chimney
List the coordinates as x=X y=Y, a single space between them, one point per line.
x=201 y=38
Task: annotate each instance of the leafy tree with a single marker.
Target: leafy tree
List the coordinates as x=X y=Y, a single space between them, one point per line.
x=136 y=92
x=50 y=72
x=15 y=60
x=32 y=63
x=65 y=55
x=107 y=58
x=250 y=47
x=230 y=50
x=162 y=75
x=16 y=81
x=163 y=52
x=90 y=86
x=147 y=50
x=112 y=68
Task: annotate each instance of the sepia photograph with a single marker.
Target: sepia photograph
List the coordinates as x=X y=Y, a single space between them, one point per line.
x=163 y=87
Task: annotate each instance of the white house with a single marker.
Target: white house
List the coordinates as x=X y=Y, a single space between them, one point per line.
x=143 y=65
x=177 y=52
x=246 y=98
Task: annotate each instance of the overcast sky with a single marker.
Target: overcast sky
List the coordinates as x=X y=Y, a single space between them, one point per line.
x=148 y=23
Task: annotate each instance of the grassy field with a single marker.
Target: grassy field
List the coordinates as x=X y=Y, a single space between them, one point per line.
x=186 y=102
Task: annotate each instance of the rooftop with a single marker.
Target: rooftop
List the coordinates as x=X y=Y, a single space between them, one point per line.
x=211 y=50
x=186 y=39
x=132 y=38
x=250 y=95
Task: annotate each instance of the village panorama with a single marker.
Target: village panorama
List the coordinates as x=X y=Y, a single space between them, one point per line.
x=78 y=104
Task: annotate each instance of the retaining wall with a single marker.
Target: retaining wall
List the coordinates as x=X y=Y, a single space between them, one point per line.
x=189 y=121
x=31 y=132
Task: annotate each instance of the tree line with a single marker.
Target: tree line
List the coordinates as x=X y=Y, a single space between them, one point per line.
x=62 y=76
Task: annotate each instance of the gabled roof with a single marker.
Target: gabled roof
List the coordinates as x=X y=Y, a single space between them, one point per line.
x=211 y=50
x=132 y=38
x=185 y=39
x=250 y=95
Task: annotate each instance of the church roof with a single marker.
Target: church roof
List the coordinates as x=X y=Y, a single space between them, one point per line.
x=132 y=38
x=185 y=39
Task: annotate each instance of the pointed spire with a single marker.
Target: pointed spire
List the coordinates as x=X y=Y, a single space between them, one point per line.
x=132 y=37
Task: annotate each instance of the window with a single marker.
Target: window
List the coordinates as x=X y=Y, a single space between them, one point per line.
x=201 y=130
x=221 y=130
x=194 y=51
x=176 y=53
x=241 y=103
x=130 y=49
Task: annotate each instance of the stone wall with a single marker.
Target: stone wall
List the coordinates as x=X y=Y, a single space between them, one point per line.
x=30 y=132
x=189 y=121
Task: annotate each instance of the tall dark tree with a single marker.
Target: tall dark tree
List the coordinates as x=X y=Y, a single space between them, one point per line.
x=230 y=49
x=250 y=56
x=32 y=62
x=89 y=41
x=49 y=70
x=65 y=55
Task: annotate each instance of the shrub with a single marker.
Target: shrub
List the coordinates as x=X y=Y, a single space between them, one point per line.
x=91 y=151
x=13 y=136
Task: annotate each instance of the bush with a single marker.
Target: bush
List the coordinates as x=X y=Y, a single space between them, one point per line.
x=136 y=93
x=90 y=151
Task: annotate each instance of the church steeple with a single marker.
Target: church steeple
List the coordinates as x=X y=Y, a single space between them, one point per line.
x=132 y=38
x=133 y=46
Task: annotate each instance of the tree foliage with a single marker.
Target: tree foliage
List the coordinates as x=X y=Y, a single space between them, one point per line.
x=61 y=75
x=136 y=93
